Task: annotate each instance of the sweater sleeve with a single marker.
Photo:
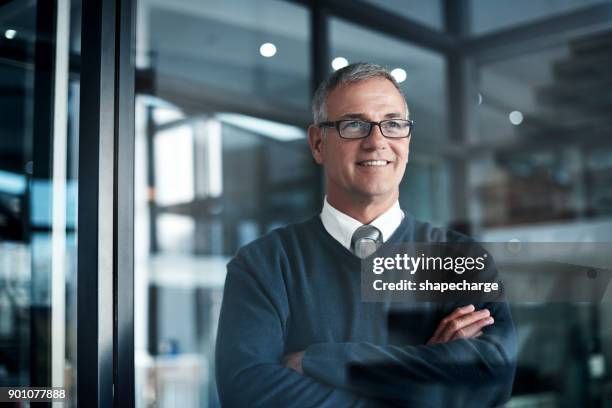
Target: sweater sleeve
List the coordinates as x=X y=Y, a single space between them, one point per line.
x=250 y=346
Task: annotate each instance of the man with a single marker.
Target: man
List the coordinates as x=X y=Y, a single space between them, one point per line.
x=293 y=331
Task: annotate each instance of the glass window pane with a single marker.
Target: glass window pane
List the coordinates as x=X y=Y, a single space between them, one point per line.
x=541 y=114
x=38 y=194
x=426 y=12
x=215 y=52
x=489 y=15
x=245 y=176
x=221 y=158
x=599 y=182
x=426 y=187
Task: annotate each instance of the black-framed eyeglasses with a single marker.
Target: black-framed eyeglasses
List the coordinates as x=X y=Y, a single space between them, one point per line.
x=360 y=129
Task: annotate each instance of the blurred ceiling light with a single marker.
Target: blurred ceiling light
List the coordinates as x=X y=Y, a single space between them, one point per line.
x=479 y=98
x=399 y=75
x=10 y=34
x=516 y=118
x=267 y=50
x=338 y=63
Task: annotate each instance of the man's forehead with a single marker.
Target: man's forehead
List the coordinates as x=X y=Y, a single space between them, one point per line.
x=365 y=97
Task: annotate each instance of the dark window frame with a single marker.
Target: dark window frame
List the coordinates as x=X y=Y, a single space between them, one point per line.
x=105 y=309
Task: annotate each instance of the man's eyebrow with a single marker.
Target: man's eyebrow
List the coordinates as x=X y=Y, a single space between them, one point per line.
x=357 y=115
x=394 y=115
x=353 y=115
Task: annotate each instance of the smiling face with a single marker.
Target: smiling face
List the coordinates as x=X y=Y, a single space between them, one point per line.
x=364 y=170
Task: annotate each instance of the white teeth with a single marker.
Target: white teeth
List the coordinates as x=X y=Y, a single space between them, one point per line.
x=374 y=163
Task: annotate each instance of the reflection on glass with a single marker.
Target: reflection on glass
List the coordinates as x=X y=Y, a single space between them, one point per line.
x=546 y=179
x=599 y=182
x=219 y=161
x=38 y=190
x=543 y=168
x=425 y=12
x=425 y=189
x=217 y=182
x=488 y=15
x=210 y=51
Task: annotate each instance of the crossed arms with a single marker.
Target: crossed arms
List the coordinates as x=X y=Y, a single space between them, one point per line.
x=466 y=349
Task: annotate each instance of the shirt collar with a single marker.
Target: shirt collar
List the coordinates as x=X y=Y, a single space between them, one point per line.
x=341 y=226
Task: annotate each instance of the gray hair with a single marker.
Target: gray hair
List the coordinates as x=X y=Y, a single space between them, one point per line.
x=352 y=73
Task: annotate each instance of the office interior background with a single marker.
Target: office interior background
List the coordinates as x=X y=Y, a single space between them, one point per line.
x=513 y=141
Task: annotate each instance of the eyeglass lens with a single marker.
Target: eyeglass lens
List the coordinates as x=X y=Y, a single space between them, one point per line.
x=354 y=129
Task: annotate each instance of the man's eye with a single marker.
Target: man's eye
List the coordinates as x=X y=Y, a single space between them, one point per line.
x=353 y=125
x=392 y=124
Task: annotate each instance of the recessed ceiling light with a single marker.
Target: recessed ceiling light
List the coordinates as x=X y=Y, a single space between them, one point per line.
x=399 y=75
x=516 y=118
x=338 y=63
x=267 y=50
x=10 y=34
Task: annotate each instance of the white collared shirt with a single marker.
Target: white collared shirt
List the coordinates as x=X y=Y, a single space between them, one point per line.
x=341 y=226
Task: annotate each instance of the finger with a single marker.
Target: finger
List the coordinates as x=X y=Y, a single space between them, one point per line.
x=473 y=329
x=462 y=322
x=460 y=311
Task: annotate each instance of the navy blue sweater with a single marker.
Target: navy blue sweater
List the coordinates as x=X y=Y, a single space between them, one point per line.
x=297 y=288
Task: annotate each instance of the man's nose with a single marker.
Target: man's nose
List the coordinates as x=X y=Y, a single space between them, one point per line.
x=376 y=140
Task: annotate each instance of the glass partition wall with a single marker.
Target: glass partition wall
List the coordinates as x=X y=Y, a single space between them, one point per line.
x=221 y=158
x=510 y=142
x=65 y=245
x=39 y=97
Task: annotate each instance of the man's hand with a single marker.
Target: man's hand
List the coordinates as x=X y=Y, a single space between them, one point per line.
x=294 y=361
x=463 y=323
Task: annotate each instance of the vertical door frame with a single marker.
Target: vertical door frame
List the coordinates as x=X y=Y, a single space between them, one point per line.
x=105 y=309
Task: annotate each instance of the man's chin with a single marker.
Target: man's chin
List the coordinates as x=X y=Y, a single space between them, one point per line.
x=376 y=194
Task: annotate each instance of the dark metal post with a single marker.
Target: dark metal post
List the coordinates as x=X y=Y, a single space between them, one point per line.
x=459 y=107
x=151 y=190
x=96 y=206
x=153 y=326
x=319 y=62
x=319 y=45
x=124 y=204
x=105 y=239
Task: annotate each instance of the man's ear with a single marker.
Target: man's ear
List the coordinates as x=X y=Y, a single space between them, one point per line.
x=315 y=141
